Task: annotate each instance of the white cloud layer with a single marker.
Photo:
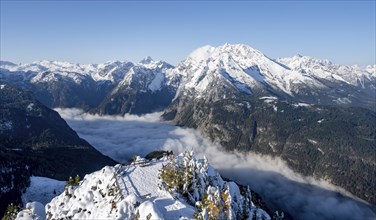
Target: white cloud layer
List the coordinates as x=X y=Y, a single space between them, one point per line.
x=121 y=137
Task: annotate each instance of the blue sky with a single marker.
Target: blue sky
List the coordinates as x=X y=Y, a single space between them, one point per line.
x=97 y=31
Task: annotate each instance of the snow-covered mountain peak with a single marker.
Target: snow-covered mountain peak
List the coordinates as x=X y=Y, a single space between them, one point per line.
x=53 y=66
x=235 y=65
x=298 y=62
x=151 y=65
x=146 y=60
x=146 y=76
x=202 y=53
x=113 y=71
x=111 y=64
x=238 y=49
x=325 y=69
x=226 y=51
x=209 y=71
x=371 y=69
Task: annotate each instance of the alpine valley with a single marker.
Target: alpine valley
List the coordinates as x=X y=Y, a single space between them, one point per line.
x=317 y=116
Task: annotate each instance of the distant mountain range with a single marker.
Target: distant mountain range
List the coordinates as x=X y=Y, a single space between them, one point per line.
x=118 y=87
x=317 y=116
x=109 y=88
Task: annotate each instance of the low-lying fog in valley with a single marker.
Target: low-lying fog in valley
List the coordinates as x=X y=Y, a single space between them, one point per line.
x=123 y=137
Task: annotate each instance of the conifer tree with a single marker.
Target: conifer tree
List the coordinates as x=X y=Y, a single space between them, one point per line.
x=77 y=180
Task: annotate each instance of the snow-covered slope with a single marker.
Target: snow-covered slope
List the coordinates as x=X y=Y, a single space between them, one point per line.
x=212 y=73
x=353 y=75
x=239 y=66
x=145 y=88
x=142 y=190
x=113 y=71
x=146 y=75
x=118 y=193
x=53 y=66
x=230 y=71
x=42 y=189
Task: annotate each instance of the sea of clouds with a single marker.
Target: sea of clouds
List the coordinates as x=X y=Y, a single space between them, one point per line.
x=122 y=137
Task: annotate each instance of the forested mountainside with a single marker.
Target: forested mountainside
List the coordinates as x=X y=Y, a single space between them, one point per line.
x=336 y=144
x=35 y=140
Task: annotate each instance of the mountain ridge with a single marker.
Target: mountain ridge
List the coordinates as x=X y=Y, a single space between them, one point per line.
x=249 y=71
x=88 y=86
x=244 y=68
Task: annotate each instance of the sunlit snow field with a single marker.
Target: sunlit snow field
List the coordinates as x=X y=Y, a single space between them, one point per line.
x=123 y=137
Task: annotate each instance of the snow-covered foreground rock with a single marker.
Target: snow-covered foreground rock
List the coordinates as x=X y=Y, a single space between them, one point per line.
x=181 y=187
x=118 y=193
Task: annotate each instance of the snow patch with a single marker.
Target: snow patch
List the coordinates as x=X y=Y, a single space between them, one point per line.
x=342 y=100
x=42 y=189
x=302 y=105
x=321 y=151
x=30 y=107
x=269 y=97
x=312 y=141
x=272 y=146
x=156 y=84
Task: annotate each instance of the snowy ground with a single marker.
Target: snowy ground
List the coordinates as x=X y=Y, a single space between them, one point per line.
x=144 y=181
x=112 y=192
x=42 y=190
